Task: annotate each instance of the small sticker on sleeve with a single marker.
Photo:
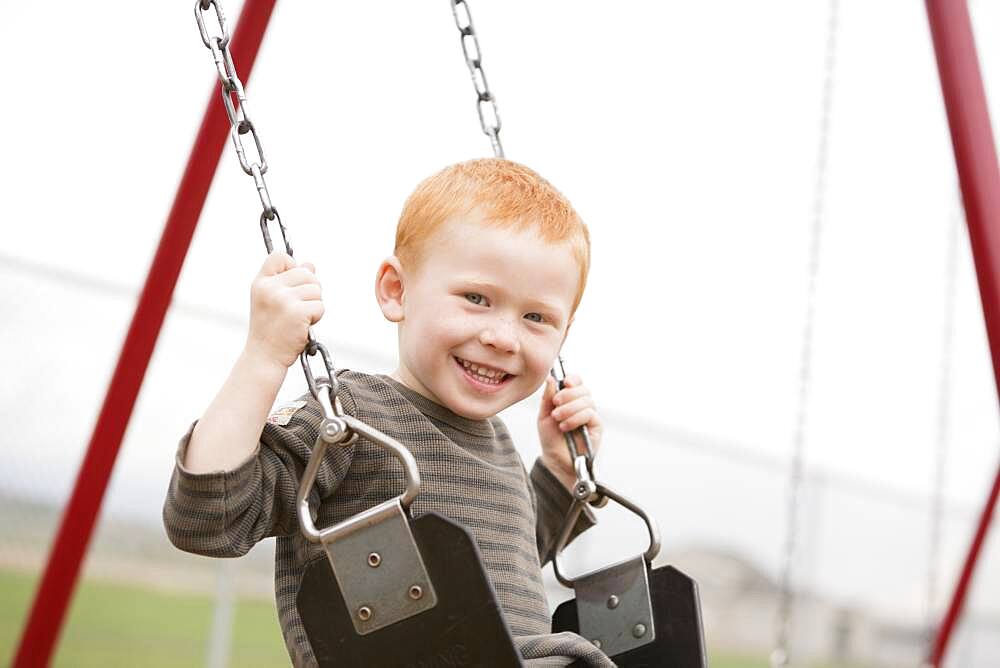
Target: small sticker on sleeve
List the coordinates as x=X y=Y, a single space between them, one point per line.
x=283 y=414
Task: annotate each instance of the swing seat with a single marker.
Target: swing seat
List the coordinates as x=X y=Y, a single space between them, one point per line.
x=679 y=639
x=464 y=628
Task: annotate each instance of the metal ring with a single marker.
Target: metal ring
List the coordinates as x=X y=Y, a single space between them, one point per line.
x=262 y=192
x=264 y=223
x=404 y=500
x=332 y=383
x=241 y=152
x=237 y=116
x=574 y=514
x=199 y=9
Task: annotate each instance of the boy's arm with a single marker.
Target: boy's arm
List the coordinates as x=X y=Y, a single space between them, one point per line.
x=236 y=476
x=230 y=429
x=225 y=513
x=552 y=504
x=285 y=300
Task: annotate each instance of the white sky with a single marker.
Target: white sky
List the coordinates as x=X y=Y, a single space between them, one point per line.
x=686 y=135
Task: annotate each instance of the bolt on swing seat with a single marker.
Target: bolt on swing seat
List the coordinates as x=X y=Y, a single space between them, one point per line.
x=394 y=590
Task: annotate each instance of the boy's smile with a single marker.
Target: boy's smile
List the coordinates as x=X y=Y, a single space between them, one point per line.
x=482 y=316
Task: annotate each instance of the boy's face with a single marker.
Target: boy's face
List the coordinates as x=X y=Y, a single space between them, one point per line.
x=482 y=318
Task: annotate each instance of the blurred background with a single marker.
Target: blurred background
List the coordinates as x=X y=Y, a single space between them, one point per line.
x=688 y=135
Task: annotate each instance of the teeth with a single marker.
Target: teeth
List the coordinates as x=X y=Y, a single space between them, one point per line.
x=485 y=374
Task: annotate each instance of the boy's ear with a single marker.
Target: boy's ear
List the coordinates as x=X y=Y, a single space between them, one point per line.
x=390 y=288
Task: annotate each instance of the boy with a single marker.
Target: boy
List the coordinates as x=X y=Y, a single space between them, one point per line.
x=489 y=266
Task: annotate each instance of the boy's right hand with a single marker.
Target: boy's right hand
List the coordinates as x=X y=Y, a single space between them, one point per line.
x=285 y=300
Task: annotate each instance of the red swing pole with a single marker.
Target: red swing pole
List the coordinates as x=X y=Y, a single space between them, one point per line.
x=48 y=610
x=979 y=175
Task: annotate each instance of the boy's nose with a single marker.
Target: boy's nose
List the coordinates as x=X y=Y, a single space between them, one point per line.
x=500 y=336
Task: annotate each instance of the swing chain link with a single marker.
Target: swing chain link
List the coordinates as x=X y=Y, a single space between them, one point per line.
x=240 y=125
x=486 y=104
x=780 y=656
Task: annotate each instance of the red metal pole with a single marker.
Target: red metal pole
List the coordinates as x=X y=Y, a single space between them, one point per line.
x=48 y=611
x=979 y=175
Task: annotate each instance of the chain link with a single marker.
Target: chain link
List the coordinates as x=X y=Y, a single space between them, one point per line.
x=241 y=125
x=486 y=104
x=780 y=656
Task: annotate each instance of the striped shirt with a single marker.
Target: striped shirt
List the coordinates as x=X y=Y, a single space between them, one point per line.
x=470 y=472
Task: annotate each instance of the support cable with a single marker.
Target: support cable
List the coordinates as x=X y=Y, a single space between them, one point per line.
x=780 y=654
x=944 y=411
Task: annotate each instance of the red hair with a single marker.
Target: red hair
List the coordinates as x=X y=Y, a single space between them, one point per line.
x=507 y=194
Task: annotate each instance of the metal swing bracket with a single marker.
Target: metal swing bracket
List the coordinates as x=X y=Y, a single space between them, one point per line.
x=374 y=558
x=614 y=604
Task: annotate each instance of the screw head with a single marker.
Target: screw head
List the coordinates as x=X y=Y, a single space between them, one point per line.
x=364 y=613
x=374 y=559
x=597 y=643
x=416 y=592
x=613 y=602
x=639 y=630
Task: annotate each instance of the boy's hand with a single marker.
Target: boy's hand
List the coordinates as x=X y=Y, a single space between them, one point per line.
x=285 y=300
x=563 y=411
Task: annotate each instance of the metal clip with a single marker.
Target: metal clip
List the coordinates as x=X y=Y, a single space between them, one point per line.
x=340 y=430
x=574 y=514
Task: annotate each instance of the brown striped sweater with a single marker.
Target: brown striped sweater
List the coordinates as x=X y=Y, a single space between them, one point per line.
x=470 y=472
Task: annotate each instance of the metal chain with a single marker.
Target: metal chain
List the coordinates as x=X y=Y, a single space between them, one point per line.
x=944 y=410
x=256 y=166
x=486 y=104
x=489 y=121
x=780 y=656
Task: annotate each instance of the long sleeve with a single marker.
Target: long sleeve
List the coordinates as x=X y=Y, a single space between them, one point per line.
x=224 y=513
x=552 y=503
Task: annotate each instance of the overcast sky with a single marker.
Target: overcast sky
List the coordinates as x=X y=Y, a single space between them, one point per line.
x=685 y=133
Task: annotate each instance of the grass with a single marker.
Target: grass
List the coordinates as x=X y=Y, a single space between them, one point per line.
x=115 y=626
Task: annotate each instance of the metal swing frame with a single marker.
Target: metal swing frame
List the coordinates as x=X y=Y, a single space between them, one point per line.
x=979 y=176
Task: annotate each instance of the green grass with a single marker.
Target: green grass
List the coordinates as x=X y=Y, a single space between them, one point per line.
x=114 y=625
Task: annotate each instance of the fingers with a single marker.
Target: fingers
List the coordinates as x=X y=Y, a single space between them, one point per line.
x=573 y=406
x=277 y=262
x=567 y=414
x=587 y=416
x=548 y=392
x=308 y=291
x=296 y=276
x=572 y=380
x=569 y=394
x=313 y=310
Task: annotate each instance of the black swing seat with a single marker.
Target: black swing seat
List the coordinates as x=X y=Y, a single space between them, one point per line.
x=678 y=636
x=394 y=591
x=464 y=628
x=641 y=617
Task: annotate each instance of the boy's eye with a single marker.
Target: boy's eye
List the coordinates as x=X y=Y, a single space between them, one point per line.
x=475 y=298
x=535 y=317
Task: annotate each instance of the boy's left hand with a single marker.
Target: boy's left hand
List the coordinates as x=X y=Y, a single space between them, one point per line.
x=563 y=411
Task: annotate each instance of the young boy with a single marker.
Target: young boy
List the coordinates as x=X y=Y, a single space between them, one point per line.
x=489 y=266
